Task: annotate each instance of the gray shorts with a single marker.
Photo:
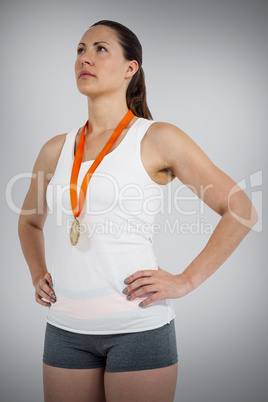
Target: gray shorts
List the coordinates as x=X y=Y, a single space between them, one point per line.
x=132 y=351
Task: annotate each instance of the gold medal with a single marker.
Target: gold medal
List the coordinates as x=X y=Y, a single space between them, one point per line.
x=75 y=232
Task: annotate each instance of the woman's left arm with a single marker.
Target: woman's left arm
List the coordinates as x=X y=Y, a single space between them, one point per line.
x=192 y=167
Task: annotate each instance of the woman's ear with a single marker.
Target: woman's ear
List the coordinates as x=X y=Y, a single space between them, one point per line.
x=132 y=68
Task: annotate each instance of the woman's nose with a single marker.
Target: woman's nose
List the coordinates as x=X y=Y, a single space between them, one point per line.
x=87 y=58
x=87 y=61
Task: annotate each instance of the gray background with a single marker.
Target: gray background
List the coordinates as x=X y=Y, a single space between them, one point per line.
x=206 y=72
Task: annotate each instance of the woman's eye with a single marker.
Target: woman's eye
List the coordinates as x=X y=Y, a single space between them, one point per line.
x=78 y=50
x=100 y=48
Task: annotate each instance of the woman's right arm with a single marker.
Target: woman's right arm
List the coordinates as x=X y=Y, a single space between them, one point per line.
x=32 y=219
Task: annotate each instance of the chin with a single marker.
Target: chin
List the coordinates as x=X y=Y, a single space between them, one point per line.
x=87 y=91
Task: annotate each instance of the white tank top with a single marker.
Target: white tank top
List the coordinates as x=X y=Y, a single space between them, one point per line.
x=116 y=240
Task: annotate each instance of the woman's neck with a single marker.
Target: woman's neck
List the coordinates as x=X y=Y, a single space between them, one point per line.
x=105 y=114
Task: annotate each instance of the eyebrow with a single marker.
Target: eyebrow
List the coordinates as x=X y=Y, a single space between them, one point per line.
x=95 y=43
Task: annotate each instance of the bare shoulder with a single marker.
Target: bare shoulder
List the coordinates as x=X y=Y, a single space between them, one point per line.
x=167 y=134
x=171 y=144
x=42 y=173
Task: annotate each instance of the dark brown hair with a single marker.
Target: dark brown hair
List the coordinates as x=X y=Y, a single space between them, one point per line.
x=132 y=50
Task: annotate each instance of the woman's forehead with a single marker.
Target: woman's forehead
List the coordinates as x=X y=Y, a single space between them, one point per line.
x=99 y=33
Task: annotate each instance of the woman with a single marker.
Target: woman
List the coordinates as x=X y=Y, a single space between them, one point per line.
x=110 y=332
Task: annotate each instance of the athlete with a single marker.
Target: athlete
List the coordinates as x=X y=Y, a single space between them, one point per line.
x=110 y=332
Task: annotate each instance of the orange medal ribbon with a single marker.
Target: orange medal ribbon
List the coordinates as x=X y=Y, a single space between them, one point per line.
x=75 y=229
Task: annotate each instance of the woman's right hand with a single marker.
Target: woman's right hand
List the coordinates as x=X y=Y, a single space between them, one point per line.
x=44 y=289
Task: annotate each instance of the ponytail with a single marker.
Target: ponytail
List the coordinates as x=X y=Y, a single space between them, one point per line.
x=136 y=96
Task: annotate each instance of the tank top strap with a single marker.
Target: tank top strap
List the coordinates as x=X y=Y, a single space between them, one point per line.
x=65 y=159
x=67 y=152
x=143 y=126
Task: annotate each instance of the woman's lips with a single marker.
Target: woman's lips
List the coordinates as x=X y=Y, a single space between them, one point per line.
x=86 y=75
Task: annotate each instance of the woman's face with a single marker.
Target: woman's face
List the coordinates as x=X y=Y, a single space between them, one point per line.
x=100 y=53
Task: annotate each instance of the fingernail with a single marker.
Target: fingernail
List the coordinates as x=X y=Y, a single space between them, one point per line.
x=141 y=304
x=125 y=290
x=129 y=297
x=54 y=296
x=53 y=301
x=48 y=304
x=126 y=280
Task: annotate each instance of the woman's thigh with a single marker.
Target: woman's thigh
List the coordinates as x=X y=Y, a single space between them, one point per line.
x=155 y=385
x=69 y=385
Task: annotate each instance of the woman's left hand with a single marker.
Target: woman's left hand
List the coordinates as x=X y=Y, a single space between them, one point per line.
x=162 y=284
